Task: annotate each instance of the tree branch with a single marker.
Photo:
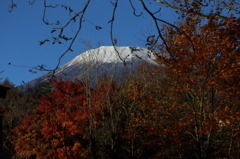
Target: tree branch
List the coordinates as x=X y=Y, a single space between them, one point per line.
x=201 y=15
x=114 y=41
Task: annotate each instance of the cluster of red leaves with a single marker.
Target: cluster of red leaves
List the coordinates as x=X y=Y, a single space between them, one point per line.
x=58 y=128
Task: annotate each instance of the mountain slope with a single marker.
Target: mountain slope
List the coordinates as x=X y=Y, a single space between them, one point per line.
x=94 y=62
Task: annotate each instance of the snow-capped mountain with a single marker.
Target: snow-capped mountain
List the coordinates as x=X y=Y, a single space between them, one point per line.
x=93 y=62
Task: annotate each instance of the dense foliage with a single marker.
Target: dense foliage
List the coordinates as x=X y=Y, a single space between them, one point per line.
x=187 y=108
x=202 y=72
x=14 y=108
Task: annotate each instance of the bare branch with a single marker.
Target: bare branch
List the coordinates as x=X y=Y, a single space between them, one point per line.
x=76 y=34
x=114 y=41
x=44 y=12
x=157 y=11
x=134 y=9
x=158 y=29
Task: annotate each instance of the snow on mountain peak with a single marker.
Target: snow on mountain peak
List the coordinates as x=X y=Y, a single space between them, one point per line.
x=107 y=54
x=104 y=59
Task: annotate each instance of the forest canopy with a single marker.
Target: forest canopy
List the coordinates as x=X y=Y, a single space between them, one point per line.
x=187 y=109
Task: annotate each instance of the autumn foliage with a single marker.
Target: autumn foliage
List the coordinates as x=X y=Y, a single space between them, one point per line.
x=202 y=72
x=58 y=127
x=187 y=108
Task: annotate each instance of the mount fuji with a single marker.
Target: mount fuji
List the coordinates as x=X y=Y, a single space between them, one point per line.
x=94 y=62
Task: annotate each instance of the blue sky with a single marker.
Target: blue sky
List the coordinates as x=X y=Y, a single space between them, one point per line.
x=21 y=30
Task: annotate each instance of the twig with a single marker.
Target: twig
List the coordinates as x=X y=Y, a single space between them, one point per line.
x=114 y=41
x=134 y=9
